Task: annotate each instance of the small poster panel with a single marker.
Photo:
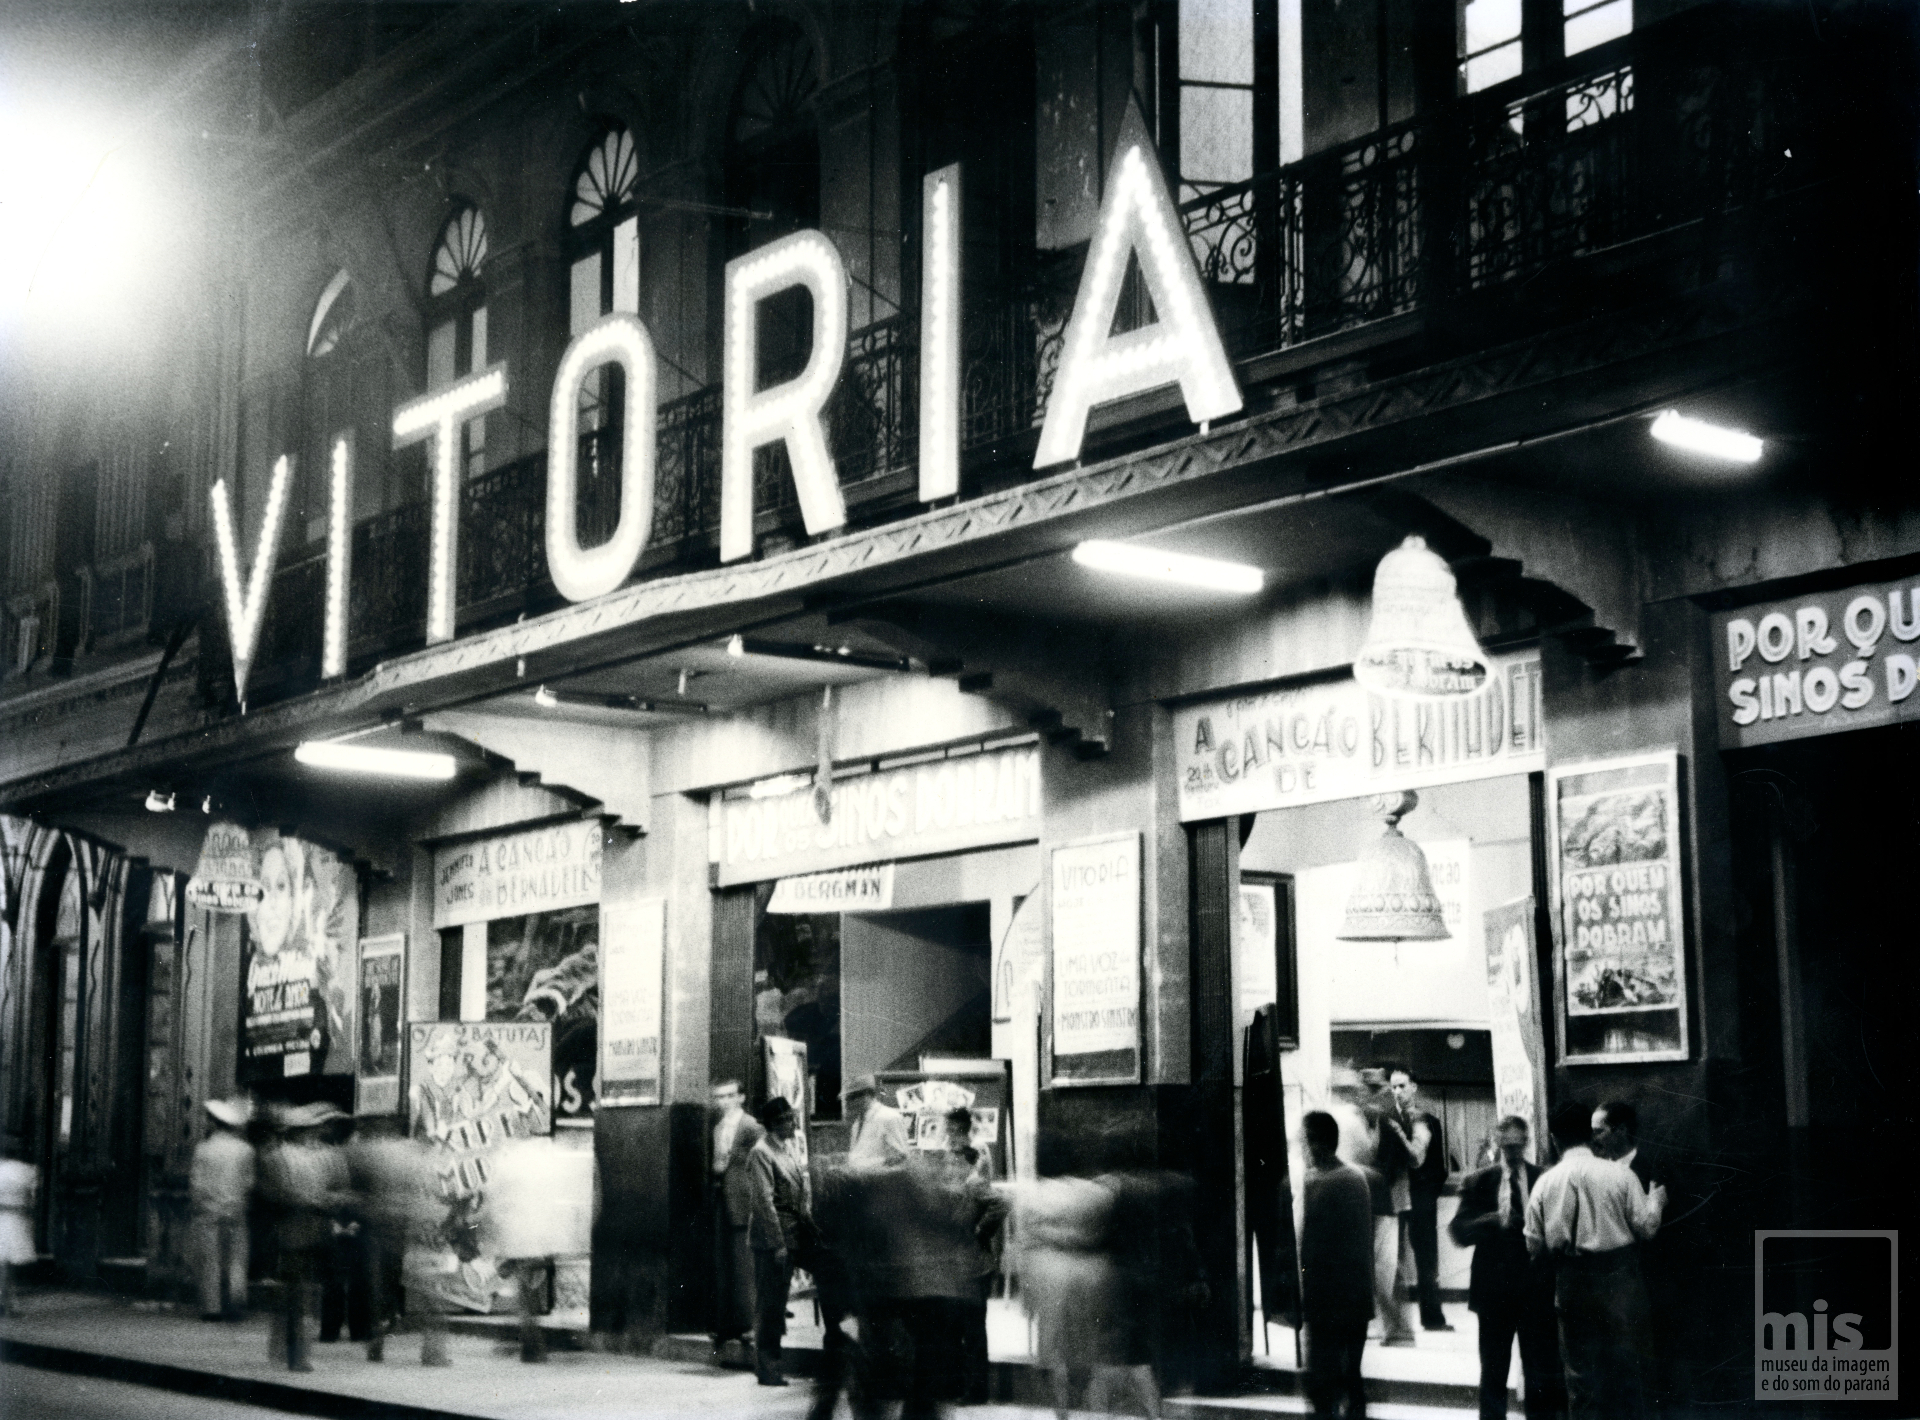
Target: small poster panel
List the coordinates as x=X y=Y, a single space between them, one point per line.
x=926 y=1097
x=632 y=966
x=299 y=996
x=1513 y=1008
x=1622 y=976
x=1096 y=961
x=382 y=983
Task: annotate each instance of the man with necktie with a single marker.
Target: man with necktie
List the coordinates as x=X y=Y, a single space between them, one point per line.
x=1510 y=1295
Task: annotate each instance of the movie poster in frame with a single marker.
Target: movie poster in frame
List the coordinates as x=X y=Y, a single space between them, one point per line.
x=382 y=979
x=1619 y=909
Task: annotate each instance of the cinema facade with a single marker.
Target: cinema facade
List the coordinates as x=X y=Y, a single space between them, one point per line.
x=682 y=421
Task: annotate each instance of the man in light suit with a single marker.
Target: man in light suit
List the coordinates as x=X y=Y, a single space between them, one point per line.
x=730 y=1197
x=876 y=1132
x=1511 y=1295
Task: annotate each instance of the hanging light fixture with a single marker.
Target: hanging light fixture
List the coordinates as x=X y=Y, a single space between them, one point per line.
x=1393 y=898
x=1419 y=645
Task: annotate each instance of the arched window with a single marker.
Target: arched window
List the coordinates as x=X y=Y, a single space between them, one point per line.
x=773 y=179
x=329 y=402
x=457 y=318
x=603 y=249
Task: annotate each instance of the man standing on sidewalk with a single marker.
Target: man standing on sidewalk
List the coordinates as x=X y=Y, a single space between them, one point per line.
x=1393 y=1201
x=1426 y=1177
x=1508 y=1292
x=780 y=1229
x=1587 y=1213
x=1336 y=1269
x=730 y=1200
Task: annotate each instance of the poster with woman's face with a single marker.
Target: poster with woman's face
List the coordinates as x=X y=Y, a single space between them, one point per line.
x=299 y=1000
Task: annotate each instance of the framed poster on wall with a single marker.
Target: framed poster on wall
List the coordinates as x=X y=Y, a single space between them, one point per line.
x=1620 y=909
x=1094 y=984
x=382 y=987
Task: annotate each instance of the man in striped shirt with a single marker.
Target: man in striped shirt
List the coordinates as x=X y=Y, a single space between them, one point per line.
x=1588 y=1214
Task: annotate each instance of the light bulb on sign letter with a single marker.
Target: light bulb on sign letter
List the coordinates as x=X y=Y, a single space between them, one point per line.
x=788 y=411
x=333 y=642
x=1183 y=346
x=940 y=334
x=246 y=605
x=437 y=418
x=581 y=574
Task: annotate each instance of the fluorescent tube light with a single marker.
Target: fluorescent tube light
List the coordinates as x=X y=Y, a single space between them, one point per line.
x=1132 y=560
x=1698 y=436
x=367 y=759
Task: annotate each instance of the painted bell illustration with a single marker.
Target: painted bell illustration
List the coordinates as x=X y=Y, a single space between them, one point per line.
x=1393 y=898
x=1419 y=645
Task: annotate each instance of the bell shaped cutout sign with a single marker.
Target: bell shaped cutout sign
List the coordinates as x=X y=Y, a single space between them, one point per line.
x=1419 y=645
x=1392 y=899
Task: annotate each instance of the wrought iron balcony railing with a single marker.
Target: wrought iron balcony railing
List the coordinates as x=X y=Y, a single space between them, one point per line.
x=1475 y=202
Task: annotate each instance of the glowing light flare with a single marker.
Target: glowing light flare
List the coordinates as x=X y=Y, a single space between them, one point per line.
x=333 y=641
x=581 y=574
x=371 y=759
x=789 y=411
x=1699 y=437
x=247 y=603
x=1182 y=347
x=437 y=417
x=1129 y=559
x=940 y=335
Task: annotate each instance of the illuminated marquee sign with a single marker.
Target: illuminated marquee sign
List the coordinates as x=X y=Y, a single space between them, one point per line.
x=1137 y=218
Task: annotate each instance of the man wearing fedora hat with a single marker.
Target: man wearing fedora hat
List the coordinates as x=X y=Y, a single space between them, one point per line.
x=779 y=1228
x=220 y=1185
x=876 y=1132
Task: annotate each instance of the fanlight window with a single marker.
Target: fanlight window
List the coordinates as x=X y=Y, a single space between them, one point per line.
x=332 y=316
x=608 y=178
x=461 y=252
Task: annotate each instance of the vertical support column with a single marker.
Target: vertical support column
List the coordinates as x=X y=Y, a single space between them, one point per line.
x=1219 y=1343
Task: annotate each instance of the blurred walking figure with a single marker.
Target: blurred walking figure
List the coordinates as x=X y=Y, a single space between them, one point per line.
x=394 y=1184
x=967 y=1177
x=305 y=1184
x=520 y=1224
x=345 y=1286
x=730 y=1199
x=19 y=1187
x=220 y=1190
x=1082 y=1307
x=781 y=1219
x=1587 y=1213
x=842 y=1239
x=876 y=1132
x=1336 y=1269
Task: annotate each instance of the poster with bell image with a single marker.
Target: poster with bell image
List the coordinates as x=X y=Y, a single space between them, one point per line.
x=1621 y=909
x=299 y=996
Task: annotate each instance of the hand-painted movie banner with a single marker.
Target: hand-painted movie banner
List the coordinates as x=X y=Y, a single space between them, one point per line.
x=545 y=966
x=1095 y=983
x=1513 y=1009
x=1621 y=909
x=299 y=997
x=1333 y=739
x=539 y=870
x=474 y=1087
x=382 y=1008
x=1818 y=664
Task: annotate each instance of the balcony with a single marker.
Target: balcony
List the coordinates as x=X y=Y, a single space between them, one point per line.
x=1517 y=205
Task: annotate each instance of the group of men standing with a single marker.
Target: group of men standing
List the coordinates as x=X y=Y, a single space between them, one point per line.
x=1557 y=1258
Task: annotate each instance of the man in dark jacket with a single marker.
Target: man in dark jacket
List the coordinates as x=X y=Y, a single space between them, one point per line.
x=1426 y=1177
x=779 y=1228
x=1336 y=1268
x=1510 y=1295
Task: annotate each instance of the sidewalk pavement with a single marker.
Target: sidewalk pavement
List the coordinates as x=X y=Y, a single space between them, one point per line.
x=156 y=1345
